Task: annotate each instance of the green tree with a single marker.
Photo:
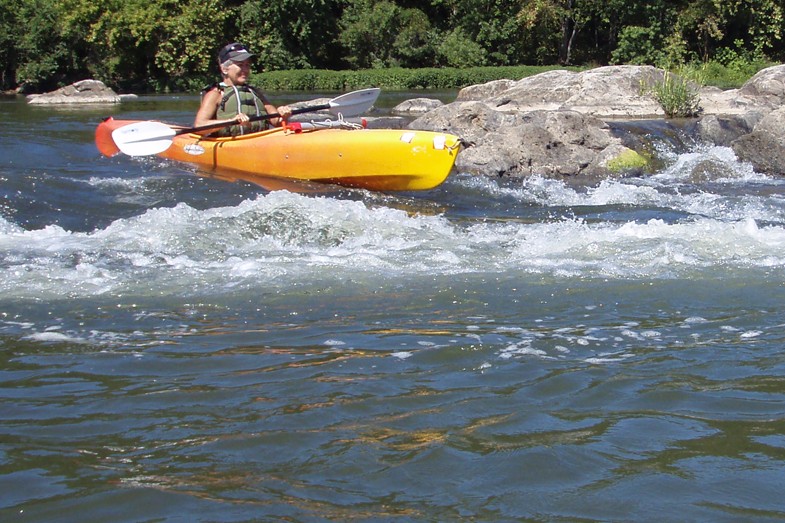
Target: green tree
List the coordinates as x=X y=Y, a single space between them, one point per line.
x=491 y=25
x=43 y=56
x=187 y=53
x=714 y=23
x=639 y=46
x=258 y=32
x=368 y=32
x=382 y=34
x=9 y=35
x=78 y=26
x=130 y=32
x=292 y=34
x=458 y=50
x=171 y=44
x=413 y=45
x=563 y=21
x=646 y=34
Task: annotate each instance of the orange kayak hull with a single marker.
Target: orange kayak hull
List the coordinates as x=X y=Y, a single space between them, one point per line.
x=375 y=159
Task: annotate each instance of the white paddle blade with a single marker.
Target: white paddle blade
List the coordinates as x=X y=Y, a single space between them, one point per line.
x=354 y=103
x=143 y=138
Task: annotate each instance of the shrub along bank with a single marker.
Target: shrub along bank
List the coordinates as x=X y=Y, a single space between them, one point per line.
x=392 y=78
x=713 y=73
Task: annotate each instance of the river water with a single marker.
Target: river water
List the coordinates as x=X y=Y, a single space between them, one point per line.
x=176 y=347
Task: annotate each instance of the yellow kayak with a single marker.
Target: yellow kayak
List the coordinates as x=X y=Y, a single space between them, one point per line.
x=375 y=159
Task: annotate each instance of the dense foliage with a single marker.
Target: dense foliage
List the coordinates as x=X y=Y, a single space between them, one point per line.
x=171 y=44
x=391 y=78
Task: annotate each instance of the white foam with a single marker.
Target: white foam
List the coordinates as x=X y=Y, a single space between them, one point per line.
x=282 y=238
x=723 y=160
x=512 y=352
x=55 y=337
x=662 y=190
x=604 y=359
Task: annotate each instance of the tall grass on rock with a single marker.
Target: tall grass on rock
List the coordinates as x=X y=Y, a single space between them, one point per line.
x=678 y=97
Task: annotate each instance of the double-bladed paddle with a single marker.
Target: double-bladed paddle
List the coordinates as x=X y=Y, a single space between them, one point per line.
x=145 y=138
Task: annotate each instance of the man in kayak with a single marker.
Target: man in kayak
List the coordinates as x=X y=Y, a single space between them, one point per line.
x=233 y=100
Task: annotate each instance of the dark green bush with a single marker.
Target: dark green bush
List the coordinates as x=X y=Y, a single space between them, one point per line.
x=731 y=76
x=391 y=79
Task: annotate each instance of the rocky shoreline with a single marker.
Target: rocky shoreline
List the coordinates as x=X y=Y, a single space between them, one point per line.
x=572 y=124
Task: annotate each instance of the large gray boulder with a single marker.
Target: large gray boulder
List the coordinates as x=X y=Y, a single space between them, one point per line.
x=624 y=91
x=484 y=91
x=549 y=143
x=768 y=85
x=549 y=124
x=734 y=102
x=555 y=123
x=83 y=92
x=605 y=92
x=764 y=147
x=724 y=129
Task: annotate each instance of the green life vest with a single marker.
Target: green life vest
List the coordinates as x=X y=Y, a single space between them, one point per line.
x=237 y=99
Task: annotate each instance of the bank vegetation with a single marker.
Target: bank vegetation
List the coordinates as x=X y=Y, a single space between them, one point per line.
x=170 y=45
